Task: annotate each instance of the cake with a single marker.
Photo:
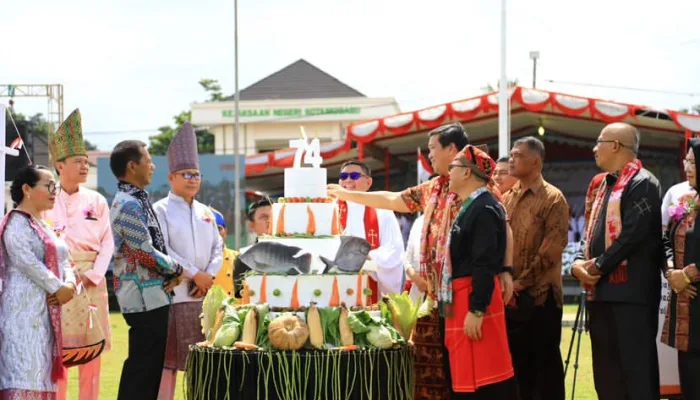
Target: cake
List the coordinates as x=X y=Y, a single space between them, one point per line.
x=306 y=220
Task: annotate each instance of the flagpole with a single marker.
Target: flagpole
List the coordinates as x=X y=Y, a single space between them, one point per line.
x=503 y=98
x=418 y=167
x=237 y=126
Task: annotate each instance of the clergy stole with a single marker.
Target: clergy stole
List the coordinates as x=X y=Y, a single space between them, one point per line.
x=371 y=223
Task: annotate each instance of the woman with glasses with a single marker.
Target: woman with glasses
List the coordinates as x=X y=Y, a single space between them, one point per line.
x=682 y=244
x=36 y=279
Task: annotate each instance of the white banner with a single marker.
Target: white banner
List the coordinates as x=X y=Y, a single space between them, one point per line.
x=668 y=356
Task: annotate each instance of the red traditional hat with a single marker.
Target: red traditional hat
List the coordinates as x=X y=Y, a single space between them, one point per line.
x=480 y=162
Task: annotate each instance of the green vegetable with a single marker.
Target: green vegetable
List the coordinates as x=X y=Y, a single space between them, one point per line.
x=211 y=304
x=263 y=322
x=317 y=292
x=227 y=335
x=330 y=317
x=359 y=322
x=367 y=291
x=408 y=311
x=276 y=292
x=380 y=336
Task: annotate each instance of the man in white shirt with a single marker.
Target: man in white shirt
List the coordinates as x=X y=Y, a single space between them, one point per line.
x=192 y=239
x=379 y=227
x=671 y=198
x=411 y=257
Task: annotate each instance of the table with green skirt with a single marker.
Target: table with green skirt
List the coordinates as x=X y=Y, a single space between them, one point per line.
x=299 y=375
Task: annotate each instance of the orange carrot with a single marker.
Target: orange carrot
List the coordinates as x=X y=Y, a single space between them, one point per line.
x=280 y=220
x=335 y=229
x=245 y=346
x=263 y=290
x=295 y=296
x=245 y=293
x=351 y=347
x=335 y=294
x=359 y=289
x=311 y=226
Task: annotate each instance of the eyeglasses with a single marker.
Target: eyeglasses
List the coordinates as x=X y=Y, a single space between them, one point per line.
x=52 y=188
x=599 y=141
x=451 y=166
x=189 y=176
x=352 y=175
x=689 y=163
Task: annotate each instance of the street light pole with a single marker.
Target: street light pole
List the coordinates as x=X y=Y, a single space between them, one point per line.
x=534 y=55
x=503 y=98
x=236 y=131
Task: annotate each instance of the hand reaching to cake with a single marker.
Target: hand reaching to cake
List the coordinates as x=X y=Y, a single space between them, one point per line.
x=336 y=191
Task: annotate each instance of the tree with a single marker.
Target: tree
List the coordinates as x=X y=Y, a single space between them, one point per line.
x=694 y=110
x=158 y=144
x=490 y=89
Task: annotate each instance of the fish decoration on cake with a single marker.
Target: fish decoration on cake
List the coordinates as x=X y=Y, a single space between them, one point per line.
x=268 y=257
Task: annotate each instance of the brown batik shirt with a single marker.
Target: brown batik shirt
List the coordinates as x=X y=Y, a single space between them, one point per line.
x=539 y=218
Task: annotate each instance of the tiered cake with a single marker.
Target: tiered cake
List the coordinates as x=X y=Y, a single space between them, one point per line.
x=305 y=218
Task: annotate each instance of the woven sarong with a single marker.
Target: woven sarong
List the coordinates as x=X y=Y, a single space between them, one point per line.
x=184 y=329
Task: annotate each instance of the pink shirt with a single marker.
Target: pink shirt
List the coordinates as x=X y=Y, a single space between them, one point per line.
x=84 y=219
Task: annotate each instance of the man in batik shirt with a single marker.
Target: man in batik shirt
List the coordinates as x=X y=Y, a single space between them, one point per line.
x=144 y=274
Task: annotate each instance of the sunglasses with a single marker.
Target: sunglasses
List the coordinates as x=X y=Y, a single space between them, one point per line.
x=189 y=176
x=351 y=175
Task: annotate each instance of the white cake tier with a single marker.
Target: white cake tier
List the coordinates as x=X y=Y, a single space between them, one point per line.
x=307 y=288
x=296 y=218
x=326 y=247
x=305 y=182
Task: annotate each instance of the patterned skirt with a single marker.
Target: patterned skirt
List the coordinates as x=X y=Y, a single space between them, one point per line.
x=431 y=382
x=17 y=394
x=184 y=329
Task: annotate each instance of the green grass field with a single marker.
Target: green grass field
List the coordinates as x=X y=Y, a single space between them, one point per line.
x=112 y=364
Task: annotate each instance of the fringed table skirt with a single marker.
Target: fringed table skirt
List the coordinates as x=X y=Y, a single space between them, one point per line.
x=307 y=374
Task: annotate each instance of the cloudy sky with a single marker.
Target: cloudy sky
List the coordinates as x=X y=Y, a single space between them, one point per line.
x=130 y=65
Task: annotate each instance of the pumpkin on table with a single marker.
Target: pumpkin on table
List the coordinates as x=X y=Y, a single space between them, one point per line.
x=288 y=332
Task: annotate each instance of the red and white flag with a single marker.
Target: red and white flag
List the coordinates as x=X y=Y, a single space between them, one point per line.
x=424 y=168
x=17 y=143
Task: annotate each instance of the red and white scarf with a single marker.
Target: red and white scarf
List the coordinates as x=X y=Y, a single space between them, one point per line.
x=613 y=216
x=51 y=261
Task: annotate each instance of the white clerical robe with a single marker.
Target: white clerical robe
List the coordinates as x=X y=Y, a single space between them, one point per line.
x=191 y=238
x=389 y=255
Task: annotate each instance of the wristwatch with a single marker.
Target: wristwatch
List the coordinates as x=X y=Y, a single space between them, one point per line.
x=477 y=313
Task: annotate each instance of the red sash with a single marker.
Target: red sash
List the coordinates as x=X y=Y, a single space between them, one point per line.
x=371 y=235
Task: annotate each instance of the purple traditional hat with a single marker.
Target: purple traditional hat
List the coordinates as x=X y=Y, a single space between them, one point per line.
x=182 y=152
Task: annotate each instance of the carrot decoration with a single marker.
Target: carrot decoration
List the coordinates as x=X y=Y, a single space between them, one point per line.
x=359 y=289
x=244 y=346
x=263 y=290
x=280 y=220
x=311 y=226
x=335 y=294
x=295 y=296
x=335 y=229
x=245 y=293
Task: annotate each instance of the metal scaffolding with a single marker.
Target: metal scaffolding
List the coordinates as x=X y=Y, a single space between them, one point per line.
x=54 y=93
